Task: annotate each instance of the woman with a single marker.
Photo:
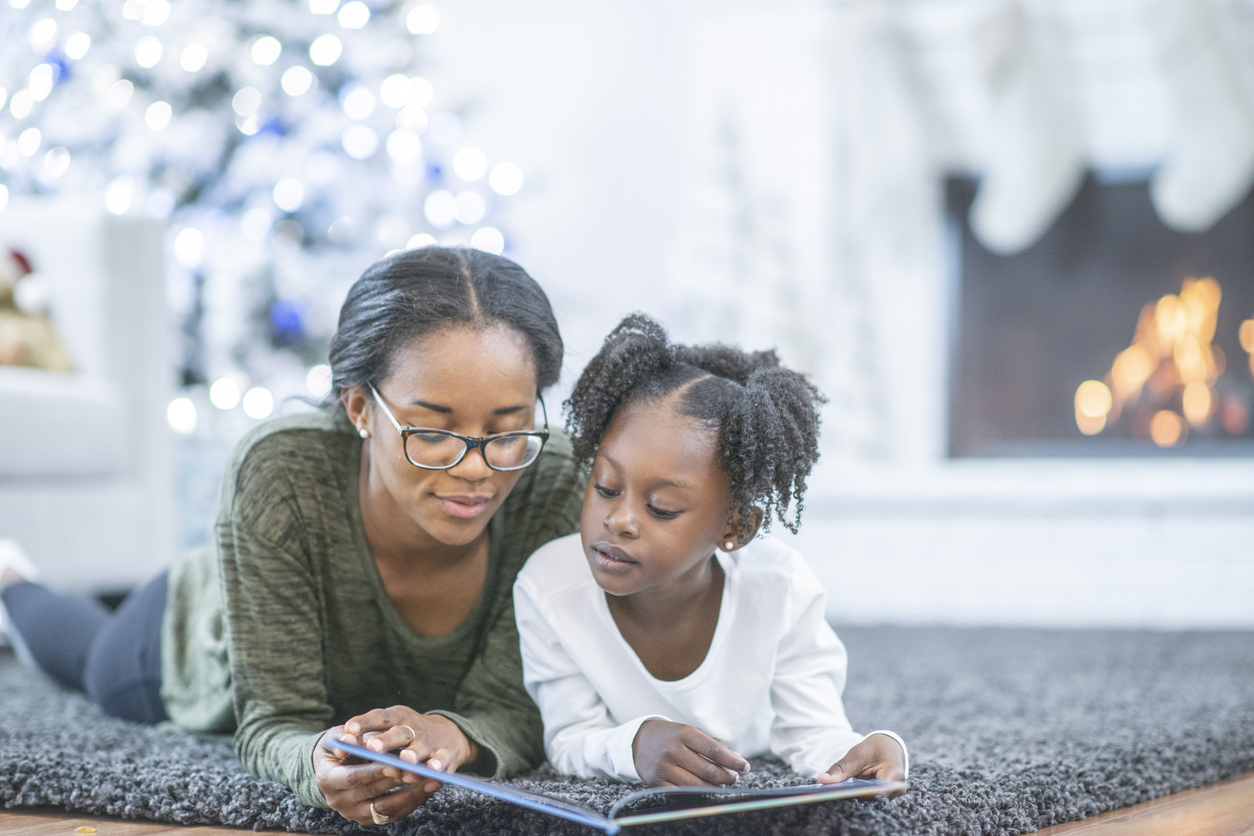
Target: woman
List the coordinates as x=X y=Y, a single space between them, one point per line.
x=359 y=562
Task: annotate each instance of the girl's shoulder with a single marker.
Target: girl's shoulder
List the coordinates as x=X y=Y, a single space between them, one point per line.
x=556 y=567
x=770 y=568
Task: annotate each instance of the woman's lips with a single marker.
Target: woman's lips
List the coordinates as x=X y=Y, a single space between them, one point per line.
x=464 y=507
x=611 y=559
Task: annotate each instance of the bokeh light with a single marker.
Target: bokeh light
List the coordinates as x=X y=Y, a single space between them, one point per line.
x=76 y=45
x=506 y=178
x=189 y=247
x=148 y=52
x=258 y=403
x=422 y=239
x=266 y=50
x=440 y=209
x=318 y=380
x=323 y=7
x=357 y=101
x=120 y=93
x=158 y=115
x=470 y=164
x=423 y=20
x=256 y=223
x=470 y=207
x=246 y=101
x=359 y=142
x=181 y=415
x=120 y=194
x=225 y=393
x=404 y=146
x=489 y=240
x=56 y=162
x=297 y=80
x=1166 y=428
x=1197 y=402
x=288 y=194
x=194 y=57
x=354 y=15
x=325 y=50
x=21 y=104
x=28 y=141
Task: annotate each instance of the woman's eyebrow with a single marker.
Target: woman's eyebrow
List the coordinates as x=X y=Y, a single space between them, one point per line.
x=445 y=410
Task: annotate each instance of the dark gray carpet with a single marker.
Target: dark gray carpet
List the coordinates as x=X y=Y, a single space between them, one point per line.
x=1010 y=731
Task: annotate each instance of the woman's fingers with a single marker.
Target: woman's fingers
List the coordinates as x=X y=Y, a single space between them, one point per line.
x=378 y=719
x=394 y=737
x=400 y=803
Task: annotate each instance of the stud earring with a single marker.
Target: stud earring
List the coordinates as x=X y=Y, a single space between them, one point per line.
x=728 y=546
x=363 y=432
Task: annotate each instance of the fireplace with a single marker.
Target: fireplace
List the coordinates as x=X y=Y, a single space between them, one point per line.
x=1112 y=336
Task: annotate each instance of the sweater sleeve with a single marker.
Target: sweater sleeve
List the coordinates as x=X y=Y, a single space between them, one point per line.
x=276 y=654
x=810 y=730
x=580 y=737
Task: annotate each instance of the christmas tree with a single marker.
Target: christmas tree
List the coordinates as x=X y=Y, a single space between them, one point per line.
x=288 y=142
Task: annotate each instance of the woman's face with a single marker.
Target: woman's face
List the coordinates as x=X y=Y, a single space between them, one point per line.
x=471 y=381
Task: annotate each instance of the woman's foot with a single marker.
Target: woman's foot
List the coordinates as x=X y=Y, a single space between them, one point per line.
x=15 y=564
x=15 y=567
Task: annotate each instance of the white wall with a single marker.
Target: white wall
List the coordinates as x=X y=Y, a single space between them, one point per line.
x=602 y=105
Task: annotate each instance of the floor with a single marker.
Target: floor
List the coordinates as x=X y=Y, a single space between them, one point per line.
x=1223 y=809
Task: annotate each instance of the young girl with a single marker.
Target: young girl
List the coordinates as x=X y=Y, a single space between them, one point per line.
x=664 y=643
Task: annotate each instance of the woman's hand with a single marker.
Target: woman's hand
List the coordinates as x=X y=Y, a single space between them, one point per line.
x=350 y=788
x=879 y=756
x=670 y=754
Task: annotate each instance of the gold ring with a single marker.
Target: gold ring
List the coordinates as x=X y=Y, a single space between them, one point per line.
x=378 y=817
x=413 y=735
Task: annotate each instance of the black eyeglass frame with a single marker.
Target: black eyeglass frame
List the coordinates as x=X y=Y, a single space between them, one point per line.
x=470 y=442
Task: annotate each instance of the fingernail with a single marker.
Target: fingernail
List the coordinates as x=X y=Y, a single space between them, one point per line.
x=436 y=765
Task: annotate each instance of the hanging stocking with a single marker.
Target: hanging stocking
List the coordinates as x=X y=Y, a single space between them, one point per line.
x=1035 y=162
x=1210 y=166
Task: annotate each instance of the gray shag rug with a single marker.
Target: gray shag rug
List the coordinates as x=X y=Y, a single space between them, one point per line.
x=1010 y=731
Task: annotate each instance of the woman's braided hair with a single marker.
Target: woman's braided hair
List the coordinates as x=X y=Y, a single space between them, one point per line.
x=766 y=416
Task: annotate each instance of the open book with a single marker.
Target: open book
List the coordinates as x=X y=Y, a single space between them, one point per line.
x=644 y=806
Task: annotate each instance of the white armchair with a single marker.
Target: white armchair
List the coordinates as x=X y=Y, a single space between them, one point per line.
x=86 y=459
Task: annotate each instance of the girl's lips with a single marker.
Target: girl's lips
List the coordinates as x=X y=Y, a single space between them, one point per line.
x=611 y=559
x=464 y=507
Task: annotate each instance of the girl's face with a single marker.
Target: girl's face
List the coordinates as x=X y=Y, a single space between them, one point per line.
x=471 y=381
x=657 y=502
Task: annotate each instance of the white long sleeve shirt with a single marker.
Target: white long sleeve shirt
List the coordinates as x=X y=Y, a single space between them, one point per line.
x=771 y=681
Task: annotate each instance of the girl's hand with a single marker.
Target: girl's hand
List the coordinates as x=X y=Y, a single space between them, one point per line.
x=879 y=756
x=350 y=788
x=670 y=754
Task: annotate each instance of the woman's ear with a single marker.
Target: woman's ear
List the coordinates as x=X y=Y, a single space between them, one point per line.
x=742 y=529
x=357 y=406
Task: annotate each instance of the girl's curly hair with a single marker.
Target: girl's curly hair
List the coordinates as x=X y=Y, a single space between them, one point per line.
x=766 y=416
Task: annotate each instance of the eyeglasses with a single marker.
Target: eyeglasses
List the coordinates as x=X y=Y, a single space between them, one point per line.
x=441 y=449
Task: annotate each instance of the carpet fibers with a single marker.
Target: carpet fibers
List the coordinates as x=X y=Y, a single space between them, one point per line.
x=1010 y=731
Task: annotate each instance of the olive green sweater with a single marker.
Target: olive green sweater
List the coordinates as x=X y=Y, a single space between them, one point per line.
x=283 y=628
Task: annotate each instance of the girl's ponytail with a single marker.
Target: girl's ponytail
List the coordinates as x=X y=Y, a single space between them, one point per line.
x=635 y=352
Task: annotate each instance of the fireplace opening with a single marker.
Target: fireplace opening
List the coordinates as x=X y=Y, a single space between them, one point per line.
x=1111 y=336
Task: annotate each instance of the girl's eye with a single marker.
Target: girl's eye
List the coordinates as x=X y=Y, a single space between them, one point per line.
x=606 y=492
x=663 y=515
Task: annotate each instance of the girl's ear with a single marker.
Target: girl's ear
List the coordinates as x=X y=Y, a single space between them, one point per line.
x=742 y=529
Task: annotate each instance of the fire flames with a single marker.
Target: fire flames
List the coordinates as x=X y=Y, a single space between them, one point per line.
x=1173 y=366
